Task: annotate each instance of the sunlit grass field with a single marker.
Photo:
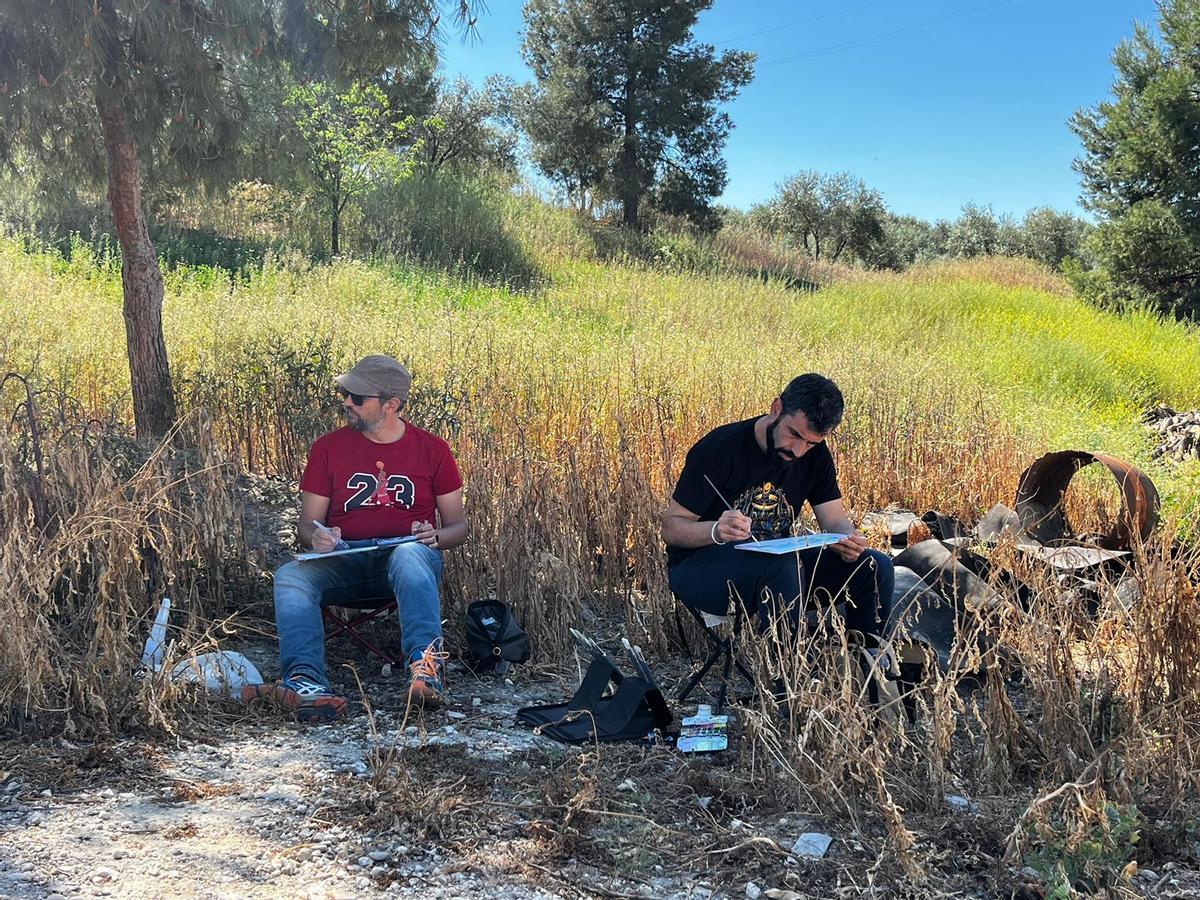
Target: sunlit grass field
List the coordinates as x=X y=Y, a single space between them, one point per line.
x=1000 y=341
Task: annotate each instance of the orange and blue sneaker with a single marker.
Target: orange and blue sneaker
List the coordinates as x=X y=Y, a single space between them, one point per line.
x=425 y=687
x=310 y=700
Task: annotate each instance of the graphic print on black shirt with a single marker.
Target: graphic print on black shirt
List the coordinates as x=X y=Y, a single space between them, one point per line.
x=729 y=463
x=770 y=514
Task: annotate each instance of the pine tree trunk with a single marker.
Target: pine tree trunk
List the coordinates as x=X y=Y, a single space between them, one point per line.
x=141 y=277
x=630 y=192
x=335 y=231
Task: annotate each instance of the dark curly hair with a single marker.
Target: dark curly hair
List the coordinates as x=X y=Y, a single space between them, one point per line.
x=818 y=398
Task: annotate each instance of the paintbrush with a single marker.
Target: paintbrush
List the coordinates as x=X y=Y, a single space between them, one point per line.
x=728 y=505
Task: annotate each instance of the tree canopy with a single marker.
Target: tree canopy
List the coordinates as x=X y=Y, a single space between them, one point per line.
x=126 y=90
x=626 y=102
x=348 y=136
x=828 y=215
x=467 y=129
x=1141 y=168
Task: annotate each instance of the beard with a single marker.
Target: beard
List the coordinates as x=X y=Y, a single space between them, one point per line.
x=356 y=421
x=772 y=450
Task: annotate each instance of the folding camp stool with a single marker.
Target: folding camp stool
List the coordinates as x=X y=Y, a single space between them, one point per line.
x=344 y=613
x=721 y=632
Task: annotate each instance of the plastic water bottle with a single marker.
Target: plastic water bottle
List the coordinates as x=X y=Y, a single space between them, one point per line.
x=152 y=656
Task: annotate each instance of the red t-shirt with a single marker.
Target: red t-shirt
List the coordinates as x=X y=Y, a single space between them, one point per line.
x=379 y=490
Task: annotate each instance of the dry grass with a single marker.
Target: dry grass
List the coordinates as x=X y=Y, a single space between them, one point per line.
x=1073 y=718
x=95 y=533
x=571 y=412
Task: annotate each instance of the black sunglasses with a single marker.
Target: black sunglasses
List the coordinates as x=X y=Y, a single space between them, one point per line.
x=357 y=399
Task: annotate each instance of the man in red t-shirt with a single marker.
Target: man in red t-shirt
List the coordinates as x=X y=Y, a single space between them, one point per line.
x=379 y=476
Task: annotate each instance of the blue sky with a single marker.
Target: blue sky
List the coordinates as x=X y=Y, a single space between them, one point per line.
x=932 y=102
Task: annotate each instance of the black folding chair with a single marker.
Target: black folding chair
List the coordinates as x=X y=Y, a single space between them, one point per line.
x=721 y=634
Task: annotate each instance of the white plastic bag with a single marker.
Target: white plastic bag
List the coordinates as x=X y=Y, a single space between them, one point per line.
x=221 y=671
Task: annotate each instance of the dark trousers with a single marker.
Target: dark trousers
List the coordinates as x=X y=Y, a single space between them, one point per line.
x=790 y=584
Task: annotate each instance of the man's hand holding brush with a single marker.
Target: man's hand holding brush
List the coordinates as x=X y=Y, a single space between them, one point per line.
x=732 y=527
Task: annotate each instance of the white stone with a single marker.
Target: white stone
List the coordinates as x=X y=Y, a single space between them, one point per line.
x=753 y=891
x=364 y=862
x=812 y=844
x=378 y=855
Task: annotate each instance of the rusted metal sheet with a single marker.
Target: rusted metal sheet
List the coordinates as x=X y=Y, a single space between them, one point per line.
x=1042 y=486
x=1072 y=557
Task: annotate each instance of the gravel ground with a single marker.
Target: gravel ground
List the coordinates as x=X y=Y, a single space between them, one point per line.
x=260 y=811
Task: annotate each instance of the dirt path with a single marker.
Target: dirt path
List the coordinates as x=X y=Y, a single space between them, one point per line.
x=273 y=809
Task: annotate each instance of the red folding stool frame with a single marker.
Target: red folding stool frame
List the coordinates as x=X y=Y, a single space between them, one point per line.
x=346 y=616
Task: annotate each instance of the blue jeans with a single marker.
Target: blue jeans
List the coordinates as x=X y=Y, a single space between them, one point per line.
x=791 y=584
x=410 y=572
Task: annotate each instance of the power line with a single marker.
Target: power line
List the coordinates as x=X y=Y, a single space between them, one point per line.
x=886 y=34
x=832 y=15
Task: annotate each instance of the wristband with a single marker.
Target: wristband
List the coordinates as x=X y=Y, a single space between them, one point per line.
x=713 y=534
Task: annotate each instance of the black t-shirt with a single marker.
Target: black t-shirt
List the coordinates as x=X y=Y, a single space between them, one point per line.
x=769 y=491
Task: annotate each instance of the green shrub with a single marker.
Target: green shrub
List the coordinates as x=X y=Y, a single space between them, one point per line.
x=1087 y=862
x=453 y=223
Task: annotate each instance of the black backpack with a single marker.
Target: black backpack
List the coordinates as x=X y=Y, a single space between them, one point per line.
x=493 y=635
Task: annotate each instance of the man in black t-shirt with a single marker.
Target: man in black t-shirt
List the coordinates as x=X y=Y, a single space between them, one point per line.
x=750 y=479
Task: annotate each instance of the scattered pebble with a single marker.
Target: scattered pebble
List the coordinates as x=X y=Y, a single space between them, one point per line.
x=753 y=891
x=102 y=875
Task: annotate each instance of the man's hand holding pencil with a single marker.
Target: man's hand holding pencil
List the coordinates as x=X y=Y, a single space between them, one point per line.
x=326 y=539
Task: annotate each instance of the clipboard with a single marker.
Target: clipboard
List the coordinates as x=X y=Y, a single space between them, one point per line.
x=359 y=547
x=792 y=544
